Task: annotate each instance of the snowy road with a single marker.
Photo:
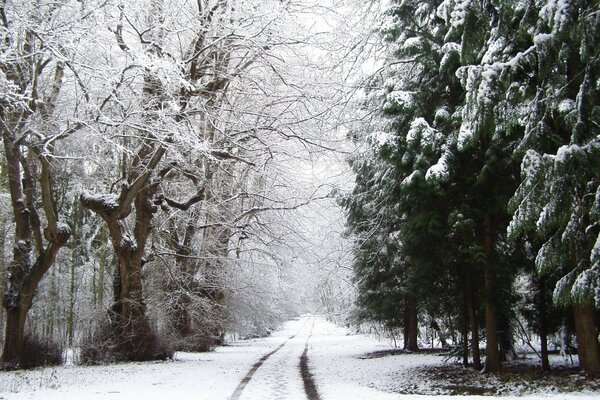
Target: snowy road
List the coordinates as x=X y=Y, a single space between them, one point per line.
x=278 y=376
x=260 y=369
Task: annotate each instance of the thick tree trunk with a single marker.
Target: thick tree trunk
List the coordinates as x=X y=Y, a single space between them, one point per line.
x=25 y=277
x=129 y=308
x=129 y=302
x=18 y=302
x=588 y=349
x=181 y=285
x=135 y=339
x=544 y=349
x=132 y=332
x=472 y=318
x=411 y=326
x=492 y=355
x=14 y=335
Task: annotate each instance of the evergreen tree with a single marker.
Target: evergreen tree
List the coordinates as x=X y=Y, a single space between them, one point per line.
x=378 y=271
x=466 y=165
x=559 y=197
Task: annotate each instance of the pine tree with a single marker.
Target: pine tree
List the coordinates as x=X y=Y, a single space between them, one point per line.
x=559 y=195
x=372 y=222
x=417 y=100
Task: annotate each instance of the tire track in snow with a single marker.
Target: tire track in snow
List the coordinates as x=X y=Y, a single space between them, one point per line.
x=310 y=388
x=240 y=388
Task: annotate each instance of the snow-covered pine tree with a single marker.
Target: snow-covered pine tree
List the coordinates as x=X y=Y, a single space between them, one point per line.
x=463 y=151
x=492 y=38
x=373 y=222
x=419 y=97
x=559 y=196
x=416 y=101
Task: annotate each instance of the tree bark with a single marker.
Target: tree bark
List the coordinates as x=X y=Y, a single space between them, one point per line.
x=588 y=349
x=543 y=313
x=473 y=323
x=492 y=355
x=544 y=348
x=474 y=335
x=465 y=334
x=128 y=313
x=14 y=335
x=18 y=300
x=411 y=324
x=25 y=277
x=181 y=285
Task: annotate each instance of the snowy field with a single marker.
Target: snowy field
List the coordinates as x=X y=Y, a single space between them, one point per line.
x=338 y=362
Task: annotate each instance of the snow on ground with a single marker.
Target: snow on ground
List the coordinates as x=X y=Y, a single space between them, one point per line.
x=343 y=369
x=190 y=376
x=338 y=361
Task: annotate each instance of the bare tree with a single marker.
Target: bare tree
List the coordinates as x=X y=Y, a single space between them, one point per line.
x=35 y=69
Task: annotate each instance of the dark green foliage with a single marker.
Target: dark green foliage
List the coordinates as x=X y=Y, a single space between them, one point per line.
x=491 y=111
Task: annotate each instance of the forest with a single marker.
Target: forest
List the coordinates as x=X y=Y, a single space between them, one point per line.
x=156 y=162
x=177 y=173
x=476 y=206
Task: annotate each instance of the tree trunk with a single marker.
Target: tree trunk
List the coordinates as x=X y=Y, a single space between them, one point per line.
x=474 y=335
x=544 y=349
x=18 y=302
x=181 y=285
x=472 y=318
x=14 y=335
x=25 y=277
x=543 y=312
x=129 y=318
x=136 y=339
x=465 y=335
x=588 y=349
x=492 y=355
x=411 y=326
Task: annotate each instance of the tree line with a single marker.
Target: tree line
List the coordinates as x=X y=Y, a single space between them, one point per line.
x=477 y=192
x=144 y=207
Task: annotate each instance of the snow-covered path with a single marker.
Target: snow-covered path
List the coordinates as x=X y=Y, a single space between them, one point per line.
x=336 y=360
x=278 y=377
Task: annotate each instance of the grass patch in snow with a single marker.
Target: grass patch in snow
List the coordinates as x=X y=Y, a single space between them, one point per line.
x=523 y=377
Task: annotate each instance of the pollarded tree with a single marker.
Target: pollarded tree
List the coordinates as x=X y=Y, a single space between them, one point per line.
x=177 y=93
x=38 y=72
x=190 y=103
